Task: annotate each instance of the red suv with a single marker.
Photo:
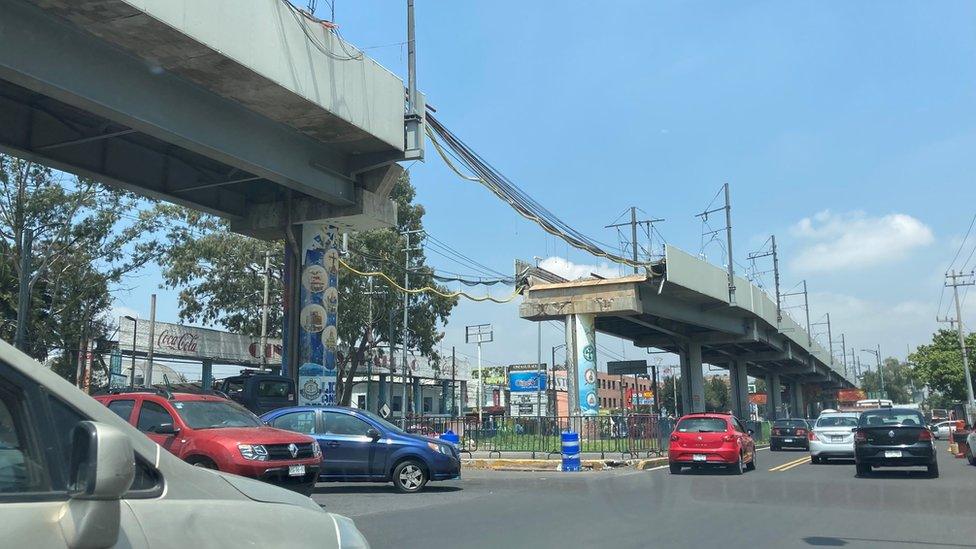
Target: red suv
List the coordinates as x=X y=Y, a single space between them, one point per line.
x=216 y=433
x=710 y=440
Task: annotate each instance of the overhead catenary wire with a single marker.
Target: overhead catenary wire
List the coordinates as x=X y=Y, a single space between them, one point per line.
x=429 y=289
x=504 y=189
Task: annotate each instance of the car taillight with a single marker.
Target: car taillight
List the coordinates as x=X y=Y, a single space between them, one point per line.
x=812 y=436
x=924 y=434
x=728 y=438
x=859 y=436
x=775 y=431
x=801 y=432
x=674 y=437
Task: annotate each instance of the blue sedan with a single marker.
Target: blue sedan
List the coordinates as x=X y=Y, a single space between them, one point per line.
x=359 y=446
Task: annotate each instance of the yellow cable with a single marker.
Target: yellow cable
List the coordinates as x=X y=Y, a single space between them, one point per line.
x=429 y=289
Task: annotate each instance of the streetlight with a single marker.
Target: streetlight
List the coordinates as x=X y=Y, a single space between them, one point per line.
x=877 y=357
x=132 y=374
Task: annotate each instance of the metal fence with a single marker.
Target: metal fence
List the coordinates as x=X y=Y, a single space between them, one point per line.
x=631 y=436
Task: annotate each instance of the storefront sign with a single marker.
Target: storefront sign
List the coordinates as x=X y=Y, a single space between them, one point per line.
x=526 y=382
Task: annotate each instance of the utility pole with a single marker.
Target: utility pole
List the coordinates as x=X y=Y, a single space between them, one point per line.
x=23 y=296
x=634 y=223
x=877 y=356
x=806 y=308
x=454 y=406
x=728 y=238
x=406 y=294
x=775 y=256
x=481 y=333
x=264 y=310
x=412 y=119
x=830 y=341
x=955 y=283
x=843 y=350
x=147 y=382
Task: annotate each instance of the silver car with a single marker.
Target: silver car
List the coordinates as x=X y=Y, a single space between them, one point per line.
x=74 y=474
x=833 y=436
x=943 y=429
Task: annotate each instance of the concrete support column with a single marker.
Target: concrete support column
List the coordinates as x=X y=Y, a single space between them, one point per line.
x=207 y=374
x=798 y=404
x=774 y=404
x=692 y=379
x=740 y=389
x=581 y=364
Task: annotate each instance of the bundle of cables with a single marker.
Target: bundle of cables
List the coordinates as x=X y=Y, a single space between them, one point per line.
x=449 y=146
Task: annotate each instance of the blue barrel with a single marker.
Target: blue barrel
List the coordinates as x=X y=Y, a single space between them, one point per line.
x=571 y=451
x=451 y=436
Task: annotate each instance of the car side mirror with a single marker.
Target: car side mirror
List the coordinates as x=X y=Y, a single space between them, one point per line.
x=853 y=429
x=166 y=429
x=100 y=471
x=373 y=434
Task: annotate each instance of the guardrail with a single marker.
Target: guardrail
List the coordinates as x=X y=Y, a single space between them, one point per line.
x=631 y=436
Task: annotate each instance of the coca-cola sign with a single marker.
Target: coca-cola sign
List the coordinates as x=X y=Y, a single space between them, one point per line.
x=177 y=341
x=198 y=343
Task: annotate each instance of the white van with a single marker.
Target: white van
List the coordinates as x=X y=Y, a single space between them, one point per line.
x=74 y=474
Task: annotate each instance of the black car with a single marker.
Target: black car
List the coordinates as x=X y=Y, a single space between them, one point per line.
x=789 y=433
x=893 y=437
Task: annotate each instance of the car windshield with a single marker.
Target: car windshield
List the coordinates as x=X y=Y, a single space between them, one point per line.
x=790 y=423
x=215 y=414
x=891 y=417
x=837 y=421
x=701 y=425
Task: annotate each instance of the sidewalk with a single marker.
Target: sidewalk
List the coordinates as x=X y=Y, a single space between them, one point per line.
x=522 y=461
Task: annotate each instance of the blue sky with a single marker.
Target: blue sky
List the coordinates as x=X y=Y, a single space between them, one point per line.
x=857 y=117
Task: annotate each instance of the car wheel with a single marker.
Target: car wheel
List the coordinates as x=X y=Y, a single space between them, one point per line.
x=970 y=457
x=814 y=459
x=409 y=476
x=751 y=466
x=773 y=448
x=200 y=461
x=675 y=468
x=739 y=466
x=934 y=470
x=862 y=470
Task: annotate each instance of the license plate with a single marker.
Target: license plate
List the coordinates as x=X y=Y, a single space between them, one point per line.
x=892 y=453
x=839 y=438
x=296 y=470
x=787 y=440
x=698 y=457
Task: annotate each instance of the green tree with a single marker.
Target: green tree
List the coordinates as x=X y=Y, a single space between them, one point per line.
x=668 y=397
x=899 y=378
x=717 y=394
x=219 y=276
x=86 y=239
x=939 y=364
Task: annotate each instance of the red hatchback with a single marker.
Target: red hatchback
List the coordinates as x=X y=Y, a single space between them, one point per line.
x=711 y=440
x=216 y=433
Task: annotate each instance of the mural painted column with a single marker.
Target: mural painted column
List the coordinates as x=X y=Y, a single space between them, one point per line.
x=318 y=338
x=589 y=404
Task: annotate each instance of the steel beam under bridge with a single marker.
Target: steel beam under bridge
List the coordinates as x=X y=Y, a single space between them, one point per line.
x=682 y=302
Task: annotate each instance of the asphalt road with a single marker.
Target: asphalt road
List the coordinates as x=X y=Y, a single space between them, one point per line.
x=786 y=502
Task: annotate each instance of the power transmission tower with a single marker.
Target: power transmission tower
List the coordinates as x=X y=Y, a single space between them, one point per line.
x=634 y=223
x=775 y=256
x=955 y=280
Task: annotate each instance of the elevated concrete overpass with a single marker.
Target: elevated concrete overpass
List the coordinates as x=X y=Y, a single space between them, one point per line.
x=252 y=111
x=683 y=305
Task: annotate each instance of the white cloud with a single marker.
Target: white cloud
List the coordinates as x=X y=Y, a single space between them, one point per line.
x=853 y=240
x=567 y=269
